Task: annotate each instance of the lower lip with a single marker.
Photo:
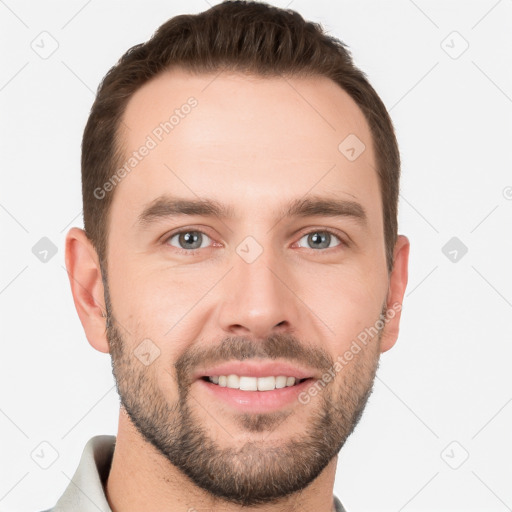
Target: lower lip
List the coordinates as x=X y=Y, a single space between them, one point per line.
x=255 y=401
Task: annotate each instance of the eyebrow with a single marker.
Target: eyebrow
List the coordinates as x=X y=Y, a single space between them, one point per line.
x=168 y=206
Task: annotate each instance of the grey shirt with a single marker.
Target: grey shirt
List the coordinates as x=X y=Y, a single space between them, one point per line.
x=86 y=493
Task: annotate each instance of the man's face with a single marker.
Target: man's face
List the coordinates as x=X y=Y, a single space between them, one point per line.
x=259 y=293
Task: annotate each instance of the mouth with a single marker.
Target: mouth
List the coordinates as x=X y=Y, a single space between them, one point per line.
x=256 y=385
x=249 y=394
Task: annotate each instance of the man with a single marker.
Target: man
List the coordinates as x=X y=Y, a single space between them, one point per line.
x=240 y=262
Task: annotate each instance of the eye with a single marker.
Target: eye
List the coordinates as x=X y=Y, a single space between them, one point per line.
x=321 y=239
x=188 y=240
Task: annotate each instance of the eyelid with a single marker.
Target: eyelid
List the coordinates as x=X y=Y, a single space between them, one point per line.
x=184 y=229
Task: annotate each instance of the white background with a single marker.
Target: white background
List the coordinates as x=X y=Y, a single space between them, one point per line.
x=447 y=379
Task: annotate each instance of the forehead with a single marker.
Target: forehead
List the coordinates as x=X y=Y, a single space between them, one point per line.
x=243 y=140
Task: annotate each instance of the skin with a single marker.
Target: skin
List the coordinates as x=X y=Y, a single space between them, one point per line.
x=255 y=144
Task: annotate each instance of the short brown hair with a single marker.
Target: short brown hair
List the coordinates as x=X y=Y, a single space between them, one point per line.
x=251 y=37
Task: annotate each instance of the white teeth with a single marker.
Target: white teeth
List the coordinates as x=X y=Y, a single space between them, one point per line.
x=253 y=383
x=266 y=383
x=233 y=381
x=248 y=383
x=281 y=382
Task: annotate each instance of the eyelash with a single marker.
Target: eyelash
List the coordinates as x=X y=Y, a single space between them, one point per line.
x=193 y=252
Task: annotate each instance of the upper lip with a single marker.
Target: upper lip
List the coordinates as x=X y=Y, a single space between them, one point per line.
x=256 y=369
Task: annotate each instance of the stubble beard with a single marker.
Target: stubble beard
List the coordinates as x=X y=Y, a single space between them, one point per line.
x=257 y=472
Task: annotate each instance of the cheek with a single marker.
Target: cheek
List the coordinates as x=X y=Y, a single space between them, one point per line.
x=157 y=296
x=347 y=300
x=355 y=282
x=161 y=304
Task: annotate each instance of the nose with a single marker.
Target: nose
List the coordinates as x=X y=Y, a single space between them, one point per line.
x=258 y=298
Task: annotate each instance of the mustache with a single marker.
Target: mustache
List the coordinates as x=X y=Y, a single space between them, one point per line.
x=239 y=348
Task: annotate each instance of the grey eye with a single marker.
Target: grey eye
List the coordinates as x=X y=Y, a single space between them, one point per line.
x=320 y=239
x=189 y=240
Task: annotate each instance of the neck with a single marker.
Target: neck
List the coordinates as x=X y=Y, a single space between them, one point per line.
x=141 y=479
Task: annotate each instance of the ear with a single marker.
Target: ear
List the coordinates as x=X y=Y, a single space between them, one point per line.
x=396 y=291
x=82 y=264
